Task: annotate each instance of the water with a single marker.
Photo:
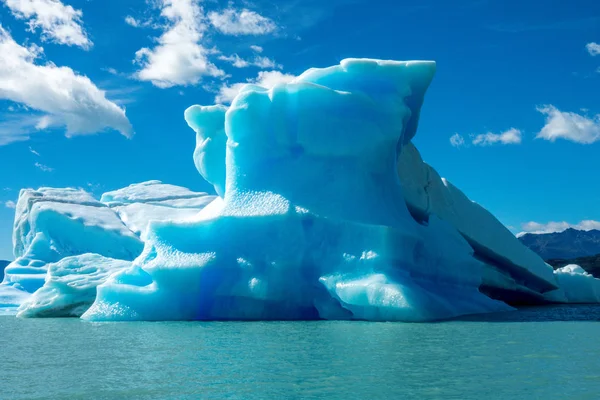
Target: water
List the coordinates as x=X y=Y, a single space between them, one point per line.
x=542 y=353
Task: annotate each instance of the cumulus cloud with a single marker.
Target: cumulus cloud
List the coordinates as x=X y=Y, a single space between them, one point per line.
x=258 y=61
x=511 y=136
x=593 y=48
x=569 y=126
x=179 y=58
x=62 y=97
x=43 y=167
x=256 y=48
x=241 y=22
x=457 y=140
x=58 y=22
x=553 y=226
x=266 y=79
x=10 y=204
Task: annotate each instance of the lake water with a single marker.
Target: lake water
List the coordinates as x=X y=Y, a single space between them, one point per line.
x=538 y=353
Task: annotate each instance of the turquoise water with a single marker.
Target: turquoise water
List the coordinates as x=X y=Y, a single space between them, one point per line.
x=544 y=353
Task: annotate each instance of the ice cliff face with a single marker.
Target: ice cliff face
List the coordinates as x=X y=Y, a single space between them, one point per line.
x=325 y=211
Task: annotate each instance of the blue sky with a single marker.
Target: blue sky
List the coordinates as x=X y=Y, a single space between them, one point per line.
x=92 y=92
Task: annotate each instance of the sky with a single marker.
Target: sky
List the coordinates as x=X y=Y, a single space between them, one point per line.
x=92 y=92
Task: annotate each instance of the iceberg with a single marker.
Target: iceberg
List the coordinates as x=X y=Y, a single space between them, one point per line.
x=575 y=286
x=313 y=221
x=324 y=209
x=53 y=224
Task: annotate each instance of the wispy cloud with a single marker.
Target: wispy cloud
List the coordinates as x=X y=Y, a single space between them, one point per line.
x=32 y=151
x=17 y=127
x=179 y=58
x=257 y=61
x=511 y=136
x=43 y=167
x=241 y=22
x=256 y=48
x=10 y=204
x=569 y=126
x=593 y=48
x=553 y=226
x=64 y=97
x=58 y=22
x=266 y=79
x=457 y=140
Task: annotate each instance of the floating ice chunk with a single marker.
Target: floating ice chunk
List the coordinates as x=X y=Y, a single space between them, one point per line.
x=51 y=224
x=576 y=286
x=70 y=286
x=54 y=223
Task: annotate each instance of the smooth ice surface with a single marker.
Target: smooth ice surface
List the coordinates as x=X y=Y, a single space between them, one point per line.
x=209 y=156
x=313 y=223
x=576 y=286
x=426 y=193
x=70 y=286
x=140 y=203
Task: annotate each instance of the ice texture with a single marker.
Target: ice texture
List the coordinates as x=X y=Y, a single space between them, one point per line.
x=140 y=203
x=70 y=286
x=576 y=286
x=54 y=224
x=313 y=222
x=426 y=193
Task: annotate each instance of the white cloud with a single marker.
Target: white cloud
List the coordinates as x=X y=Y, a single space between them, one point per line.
x=235 y=60
x=256 y=48
x=10 y=204
x=129 y=20
x=569 y=125
x=16 y=127
x=241 y=22
x=593 y=48
x=33 y=151
x=64 y=98
x=178 y=58
x=43 y=167
x=511 y=136
x=553 y=226
x=457 y=140
x=258 y=61
x=265 y=62
x=59 y=23
x=266 y=79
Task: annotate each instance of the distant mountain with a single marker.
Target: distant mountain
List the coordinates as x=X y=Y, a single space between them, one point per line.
x=590 y=264
x=565 y=245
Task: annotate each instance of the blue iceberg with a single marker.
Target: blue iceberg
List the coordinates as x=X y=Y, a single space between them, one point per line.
x=324 y=210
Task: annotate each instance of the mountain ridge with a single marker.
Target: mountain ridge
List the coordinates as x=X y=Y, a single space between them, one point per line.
x=568 y=244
